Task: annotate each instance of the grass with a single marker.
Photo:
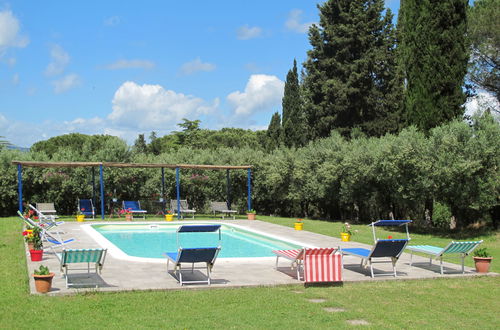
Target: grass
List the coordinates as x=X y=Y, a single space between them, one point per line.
x=438 y=303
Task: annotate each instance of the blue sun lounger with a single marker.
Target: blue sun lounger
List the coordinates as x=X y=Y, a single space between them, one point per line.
x=463 y=249
x=206 y=255
x=383 y=248
x=134 y=207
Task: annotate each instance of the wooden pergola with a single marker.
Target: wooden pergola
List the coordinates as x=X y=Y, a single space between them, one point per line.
x=101 y=166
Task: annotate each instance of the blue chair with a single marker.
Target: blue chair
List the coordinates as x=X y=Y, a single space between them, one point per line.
x=86 y=207
x=205 y=255
x=383 y=249
x=134 y=207
x=193 y=255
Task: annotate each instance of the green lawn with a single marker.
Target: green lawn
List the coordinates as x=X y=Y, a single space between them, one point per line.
x=439 y=303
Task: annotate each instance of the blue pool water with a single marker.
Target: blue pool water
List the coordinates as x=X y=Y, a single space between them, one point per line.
x=148 y=241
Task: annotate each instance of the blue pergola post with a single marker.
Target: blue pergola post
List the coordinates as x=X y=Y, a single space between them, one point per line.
x=249 y=185
x=178 y=189
x=163 y=203
x=20 y=186
x=101 y=178
x=228 y=190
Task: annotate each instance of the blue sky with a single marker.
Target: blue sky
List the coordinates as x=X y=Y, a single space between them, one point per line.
x=127 y=67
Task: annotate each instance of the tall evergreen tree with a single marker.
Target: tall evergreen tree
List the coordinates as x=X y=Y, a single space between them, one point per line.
x=294 y=121
x=484 y=36
x=274 y=132
x=140 y=145
x=434 y=56
x=350 y=70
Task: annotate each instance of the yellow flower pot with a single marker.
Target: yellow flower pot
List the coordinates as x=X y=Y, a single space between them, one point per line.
x=345 y=237
x=169 y=217
x=80 y=217
x=298 y=225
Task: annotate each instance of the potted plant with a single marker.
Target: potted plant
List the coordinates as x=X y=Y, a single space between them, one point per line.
x=169 y=216
x=346 y=233
x=298 y=225
x=80 y=217
x=251 y=214
x=28 y=234
x=482 y=260
x=35 y=240
x=43 y=279
x=127 y=213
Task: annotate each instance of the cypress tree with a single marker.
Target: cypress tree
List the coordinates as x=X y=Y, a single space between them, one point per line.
x=274 y=132
x=350 y=71
x=294 y=125
x=434 y=56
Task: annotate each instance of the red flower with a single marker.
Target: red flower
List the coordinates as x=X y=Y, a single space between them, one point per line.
x=389 y=237
x=25 y=233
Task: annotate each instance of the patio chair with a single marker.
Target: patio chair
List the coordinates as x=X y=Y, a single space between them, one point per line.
x=221 y=207
x=48 y=219
x=318 y=264
x=383 y=249
x=205 y=255
x=193 y=255
x=93 y=257
x=184 y=209
x=50 y=237
x=463 y=249
x=134 y=207
x=47 y=209
x=86 y=207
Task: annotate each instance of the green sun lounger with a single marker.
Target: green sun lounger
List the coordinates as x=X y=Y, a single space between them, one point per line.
x=93 y=257
x=463 y=249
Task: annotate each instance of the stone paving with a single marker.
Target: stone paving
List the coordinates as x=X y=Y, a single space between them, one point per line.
x=122 y=275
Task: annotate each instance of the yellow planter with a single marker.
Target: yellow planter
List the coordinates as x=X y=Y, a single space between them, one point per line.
x=345 y=237
x=169 y=217
x=298 y=225
x=80 y=218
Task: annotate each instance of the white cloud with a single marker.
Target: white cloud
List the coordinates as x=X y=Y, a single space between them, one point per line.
x=195 y=66
x=66 y=83
x=245 y=32
x=112 y=21
x=9 y=32
x=131 y=64
x=262 y=92
x=59 y=61
x=293 y=22
x=151 y=107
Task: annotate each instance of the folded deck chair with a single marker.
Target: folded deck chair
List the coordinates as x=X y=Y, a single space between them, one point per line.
x=54 y=238
x=94 y=257
x=221 y=207
x=205 y=255
x=463 y=249
x=86 y=207
x=134 y=207
x=184 y=207
x=319 y=264
x=383 y=249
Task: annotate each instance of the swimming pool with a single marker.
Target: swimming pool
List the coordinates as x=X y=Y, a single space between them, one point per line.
x=151 y=241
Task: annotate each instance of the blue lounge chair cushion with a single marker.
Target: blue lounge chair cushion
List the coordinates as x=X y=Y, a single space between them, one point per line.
x=190 y=255
x=359 y=251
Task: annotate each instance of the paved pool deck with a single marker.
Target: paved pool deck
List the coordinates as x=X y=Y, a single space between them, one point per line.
x=125 y=275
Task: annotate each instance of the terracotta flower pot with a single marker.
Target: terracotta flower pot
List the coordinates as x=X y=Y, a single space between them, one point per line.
x=482 y=264
x=251 y=216
x=128 y=217
x=43 y=283
x=36 y=255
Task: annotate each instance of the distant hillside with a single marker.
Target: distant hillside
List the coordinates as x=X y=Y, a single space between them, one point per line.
x=23 y=149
